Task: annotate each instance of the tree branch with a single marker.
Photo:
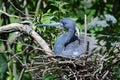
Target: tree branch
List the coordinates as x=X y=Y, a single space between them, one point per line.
x=27 y=29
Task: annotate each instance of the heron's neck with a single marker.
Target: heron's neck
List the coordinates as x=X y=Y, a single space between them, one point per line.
x=69 y=35
x=63 y=40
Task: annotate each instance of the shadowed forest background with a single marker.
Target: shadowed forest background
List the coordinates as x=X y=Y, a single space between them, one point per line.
x=22 y=58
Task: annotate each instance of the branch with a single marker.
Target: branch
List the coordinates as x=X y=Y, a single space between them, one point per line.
x=9 y=14
x=21 y=74
x=28 y=30
x=38 y=7
x=14 y=15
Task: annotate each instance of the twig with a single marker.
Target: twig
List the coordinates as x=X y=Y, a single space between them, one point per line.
x=31 y=70
x=106 y=73
x=19 y=10
x=26 y=10
x=85 y=30
x=21 y=74
x=38 y=7
x=14 y=69
x=65 y=62
x=48 y=69
x=15 y=7
x=74 y=74
x=13 y=15
x=19 y=60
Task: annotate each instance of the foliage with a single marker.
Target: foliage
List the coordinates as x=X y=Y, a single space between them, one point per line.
x=50 y=11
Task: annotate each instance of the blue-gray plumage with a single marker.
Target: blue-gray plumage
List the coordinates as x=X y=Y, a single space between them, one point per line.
x=69 y=45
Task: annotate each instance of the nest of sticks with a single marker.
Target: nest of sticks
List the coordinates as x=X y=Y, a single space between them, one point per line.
x=89 y=67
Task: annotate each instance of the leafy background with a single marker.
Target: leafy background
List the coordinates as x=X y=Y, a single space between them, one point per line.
x=50 y=11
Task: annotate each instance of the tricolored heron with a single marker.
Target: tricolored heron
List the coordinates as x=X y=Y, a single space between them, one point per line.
x=69 y=45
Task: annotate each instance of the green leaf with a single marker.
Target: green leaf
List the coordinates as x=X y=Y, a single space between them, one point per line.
x=50 y=77
x=19 y=47
x=3 y=65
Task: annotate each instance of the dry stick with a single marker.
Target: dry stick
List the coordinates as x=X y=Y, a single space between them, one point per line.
x=85 y=35
x=26 y=10
x=21 y=74
x=9 y=14
x=15 y=7
x=49 y=69
x=73 y=73
x=104 y=76
x=85 y=30
x=28 y=30
x=38 y=7
x=42 y=43
x=14 y=15
x=14 y=69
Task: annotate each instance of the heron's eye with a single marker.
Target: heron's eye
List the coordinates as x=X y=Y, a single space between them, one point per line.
x=64 y=23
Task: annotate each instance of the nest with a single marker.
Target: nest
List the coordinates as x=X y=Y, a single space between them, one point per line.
x=89 y=67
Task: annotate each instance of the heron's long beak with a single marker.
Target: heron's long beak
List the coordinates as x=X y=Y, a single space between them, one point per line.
x=52 y=24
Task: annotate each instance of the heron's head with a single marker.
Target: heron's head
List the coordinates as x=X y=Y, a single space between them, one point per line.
x=65 y=22
x=68 y=23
